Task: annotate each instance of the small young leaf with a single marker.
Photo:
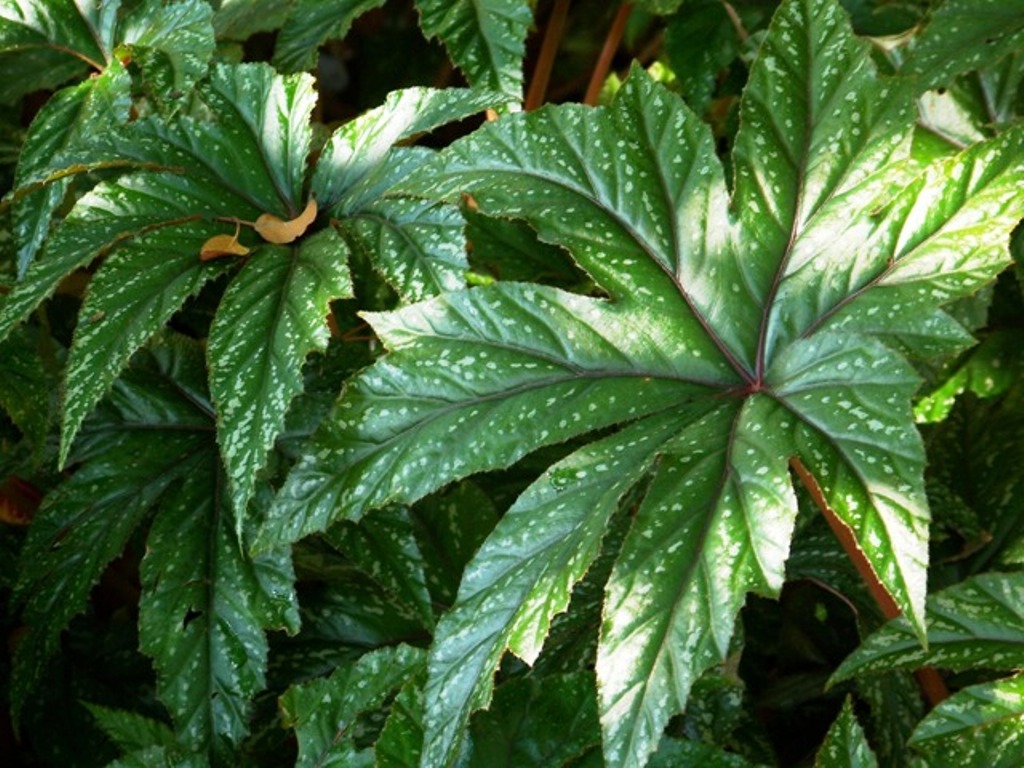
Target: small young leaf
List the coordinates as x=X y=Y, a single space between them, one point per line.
x=274 y=230
x=846 y=746
x=323 y=712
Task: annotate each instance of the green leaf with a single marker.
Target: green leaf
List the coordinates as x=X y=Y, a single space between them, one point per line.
x=383 y=546
x=132 y=296
x=66 y=121
x=172 y=44
x=130 y=730
x=484 y=38
x=44 y=43
x=962 y=35
x=310 y=24
x=846 y=746
x=977 y=623
x=524 y=572
x=512 y=366
x=701 y=540
x=980 y=725
x=323 y=712
x=761 y=328
x=271 y=317
x=248 y=157
x=203 y=611
x=538 y=722
x=361 y=145
x=86 y=522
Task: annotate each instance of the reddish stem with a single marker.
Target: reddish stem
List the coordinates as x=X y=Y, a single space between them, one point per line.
x=546 y=59
x=932 y=686
x=604 y=61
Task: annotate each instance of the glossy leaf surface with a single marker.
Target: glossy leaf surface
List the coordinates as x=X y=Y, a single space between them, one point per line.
x=485 y=39
x=980 y=725
x=760 y=326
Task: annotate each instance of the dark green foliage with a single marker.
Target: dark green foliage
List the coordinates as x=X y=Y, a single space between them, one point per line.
x=352 y=431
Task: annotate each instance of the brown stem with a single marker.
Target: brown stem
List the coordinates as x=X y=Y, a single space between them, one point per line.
x=932 y=686
x=604 y=61
x=546 y=59
x=737 y=22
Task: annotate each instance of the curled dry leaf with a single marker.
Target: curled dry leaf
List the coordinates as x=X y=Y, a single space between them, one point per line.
x=274 y=230
x=222 y=245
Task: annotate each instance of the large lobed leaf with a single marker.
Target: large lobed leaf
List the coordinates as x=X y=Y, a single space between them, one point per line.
x=761 y=328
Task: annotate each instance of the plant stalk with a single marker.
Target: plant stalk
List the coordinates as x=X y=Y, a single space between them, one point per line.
x=604 y=60
x=546 y=59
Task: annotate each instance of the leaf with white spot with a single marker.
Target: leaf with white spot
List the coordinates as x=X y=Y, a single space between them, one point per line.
x=417 y=246
x=524 y=573
x=976 y=624
x=310 y=24
x=271 y=317
x=324 y=712
x=44 y=43
x=360 y=146
x=130 y=298
x=961 y=35
x=764 y=320
x=142 y=447
x=486 y=39
x=168 y=44
x=981 y=725
x=67 y=120
x=204 y=607
x=383 y=546
x=846 y=746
